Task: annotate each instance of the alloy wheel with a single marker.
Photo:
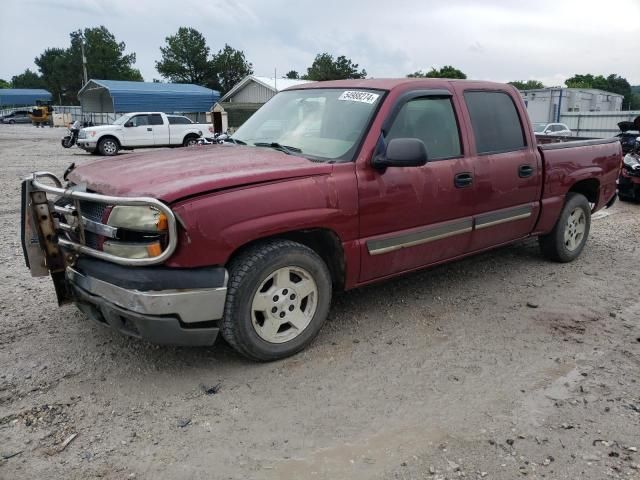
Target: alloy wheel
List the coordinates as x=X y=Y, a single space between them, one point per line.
x=284 y=304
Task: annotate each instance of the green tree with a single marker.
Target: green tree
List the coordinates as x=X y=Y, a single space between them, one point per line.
x=56 y=71
x=4 y=84
x=527 y=84
x=324 y=67
x=230 y=66
x=105 y=56
x=27 y=79
x=586 y=81
x=292 y=74
x=185 y=58
x=445 y=72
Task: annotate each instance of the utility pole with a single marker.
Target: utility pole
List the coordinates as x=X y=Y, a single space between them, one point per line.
x=84 y=60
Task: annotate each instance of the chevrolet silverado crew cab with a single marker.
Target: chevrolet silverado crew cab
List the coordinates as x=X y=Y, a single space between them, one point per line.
x=329 y=186
x=141 y=130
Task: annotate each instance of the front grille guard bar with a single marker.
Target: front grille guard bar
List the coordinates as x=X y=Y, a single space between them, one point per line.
x=37 y=185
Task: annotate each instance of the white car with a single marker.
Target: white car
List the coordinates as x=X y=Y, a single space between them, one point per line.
x=141 y=130
x=555 y=129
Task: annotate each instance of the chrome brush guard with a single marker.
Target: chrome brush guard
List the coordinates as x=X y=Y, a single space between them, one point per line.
x=47 y=228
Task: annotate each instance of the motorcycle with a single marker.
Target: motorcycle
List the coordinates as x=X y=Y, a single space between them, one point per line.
x=217 y=138
x=70 y=139
x=629 y=131
x=629 y=180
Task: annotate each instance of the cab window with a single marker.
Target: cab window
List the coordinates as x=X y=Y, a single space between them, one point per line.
x=139 y=120
x=432 y=120
x=156 y=119
x=495 y=121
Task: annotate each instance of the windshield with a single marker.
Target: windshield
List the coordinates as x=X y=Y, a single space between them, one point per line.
x=121 y=120
x=320 y=124
x=539 y=127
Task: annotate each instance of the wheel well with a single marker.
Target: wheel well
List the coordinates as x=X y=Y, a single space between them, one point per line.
x=589 y=188
x=324 y=242
x=190 y=135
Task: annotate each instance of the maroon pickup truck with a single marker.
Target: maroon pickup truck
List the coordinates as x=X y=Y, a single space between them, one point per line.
x=329 y=186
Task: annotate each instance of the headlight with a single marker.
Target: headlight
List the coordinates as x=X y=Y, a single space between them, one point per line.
x=82 y=134
x=139 y=218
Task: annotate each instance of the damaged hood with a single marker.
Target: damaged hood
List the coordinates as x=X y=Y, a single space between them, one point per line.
x=170 y=175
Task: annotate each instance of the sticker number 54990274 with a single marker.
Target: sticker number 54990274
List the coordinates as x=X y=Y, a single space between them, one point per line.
x=358 y=96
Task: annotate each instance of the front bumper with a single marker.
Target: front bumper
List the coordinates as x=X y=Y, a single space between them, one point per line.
x=89 y=146
x=161 y=305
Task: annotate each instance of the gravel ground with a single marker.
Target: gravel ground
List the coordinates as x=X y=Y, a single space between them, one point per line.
x=500 y=366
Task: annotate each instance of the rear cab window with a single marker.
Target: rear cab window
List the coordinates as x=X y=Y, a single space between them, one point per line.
x=496 y=124
x=179 y=121
x=156 y=119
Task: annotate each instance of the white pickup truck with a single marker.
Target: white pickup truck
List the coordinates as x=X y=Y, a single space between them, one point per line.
x=141 y=130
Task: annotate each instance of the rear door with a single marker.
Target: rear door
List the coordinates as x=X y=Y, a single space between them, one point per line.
x=140 y=133
x=506 y=166
x=415 y=216
x=160 y=129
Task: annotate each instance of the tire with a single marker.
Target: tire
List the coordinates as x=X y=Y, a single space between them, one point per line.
x=66 y=142
x=12 y=122
x=190 y=141
x=275 y=275
x=567 y=239
x=108 y=146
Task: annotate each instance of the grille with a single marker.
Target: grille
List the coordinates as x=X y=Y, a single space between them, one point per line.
x=93 y=211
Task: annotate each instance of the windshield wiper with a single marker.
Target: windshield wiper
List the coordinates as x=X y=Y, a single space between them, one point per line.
x=234 y=141
x=283 y=148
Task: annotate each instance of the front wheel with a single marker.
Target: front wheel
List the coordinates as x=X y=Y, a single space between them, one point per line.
x=108 y=146
x=278 y=298
x=567 y=239
x=66 y=142
x=190 y=141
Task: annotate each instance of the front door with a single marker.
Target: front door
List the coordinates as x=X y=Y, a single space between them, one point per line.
x=415 y=216
x=506 y=167
x=140 y=133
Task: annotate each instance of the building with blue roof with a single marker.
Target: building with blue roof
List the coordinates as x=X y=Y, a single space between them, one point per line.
x=22 y=97
x=117 y=96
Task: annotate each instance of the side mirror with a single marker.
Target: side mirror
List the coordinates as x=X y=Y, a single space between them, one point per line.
x=128 y=124
x=402 y=152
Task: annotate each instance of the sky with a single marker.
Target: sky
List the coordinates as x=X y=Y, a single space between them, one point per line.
x=499 y=40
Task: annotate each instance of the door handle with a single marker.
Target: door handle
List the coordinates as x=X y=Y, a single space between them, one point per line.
x=149 y=129
x=462 y=180
x=525 y=171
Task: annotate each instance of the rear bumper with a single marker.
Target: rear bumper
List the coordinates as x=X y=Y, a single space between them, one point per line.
x=171 y=315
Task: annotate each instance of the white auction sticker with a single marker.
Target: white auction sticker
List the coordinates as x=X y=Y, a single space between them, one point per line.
x=356 y=96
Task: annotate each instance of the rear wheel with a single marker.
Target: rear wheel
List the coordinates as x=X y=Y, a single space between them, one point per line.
x=108 y=146
x=278 y=298
x=569 y=236
x=12 y=122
